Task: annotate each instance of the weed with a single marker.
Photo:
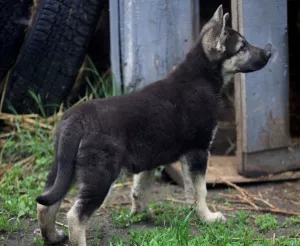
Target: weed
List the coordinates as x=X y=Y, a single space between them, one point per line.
x=266 y=222
x=99 y=87
x=294 y=220
x=228 y=204
x=97 y=234
x=165 y=211
x=73 y=191
x=177 y=234
x=38 y=101
x=39 y=242
x=25 y=179
x=8 y=224
x=178 y=229
x=123 y=218
x=3 y=239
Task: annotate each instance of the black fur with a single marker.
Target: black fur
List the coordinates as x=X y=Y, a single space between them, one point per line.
x=140 y=131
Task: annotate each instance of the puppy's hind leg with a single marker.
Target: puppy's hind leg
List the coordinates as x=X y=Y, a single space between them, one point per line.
x=98 y=166
x=46 y=221
x=141 y=190
x=91 y=196
x=194 y=171
x=47 y=215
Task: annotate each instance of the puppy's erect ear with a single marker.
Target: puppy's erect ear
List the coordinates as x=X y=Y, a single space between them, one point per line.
x=224 y=21
x=214 y=20
x=220 y=45
x=218 y=14
x=214 y=35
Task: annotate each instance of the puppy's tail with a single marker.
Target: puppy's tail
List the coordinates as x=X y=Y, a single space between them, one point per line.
x=66 y=152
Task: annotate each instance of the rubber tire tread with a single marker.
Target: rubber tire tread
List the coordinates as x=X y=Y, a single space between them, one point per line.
x=52 y=54
x=13 y=14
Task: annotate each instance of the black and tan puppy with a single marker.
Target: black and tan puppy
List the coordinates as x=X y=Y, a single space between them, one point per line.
x=172 y=119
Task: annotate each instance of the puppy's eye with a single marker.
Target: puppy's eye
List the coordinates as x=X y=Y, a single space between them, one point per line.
x=243 y=48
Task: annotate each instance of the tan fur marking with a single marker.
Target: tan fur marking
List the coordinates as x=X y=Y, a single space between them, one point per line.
x=196 y=191
x=202 y=208
x=76 y=229
x=141 y=190
x=188 y=184
x=46 y=220
x=231 y=65
x=239 y=44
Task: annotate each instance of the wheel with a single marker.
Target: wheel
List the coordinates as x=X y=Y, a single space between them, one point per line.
x=52 y=54
x=98 y=52
x=14 y=15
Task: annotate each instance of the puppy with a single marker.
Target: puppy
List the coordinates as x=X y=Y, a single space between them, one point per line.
x=172 y=119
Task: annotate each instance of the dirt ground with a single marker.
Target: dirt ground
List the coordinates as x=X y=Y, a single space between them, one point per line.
x=285 y=195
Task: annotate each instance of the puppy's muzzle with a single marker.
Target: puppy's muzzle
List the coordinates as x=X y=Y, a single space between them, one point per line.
x=258 y=59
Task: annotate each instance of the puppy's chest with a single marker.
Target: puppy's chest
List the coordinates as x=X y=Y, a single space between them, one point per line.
x=199 y=126
x=200 y=137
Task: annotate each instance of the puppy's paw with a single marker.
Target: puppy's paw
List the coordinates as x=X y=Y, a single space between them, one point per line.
x=135 y=211
x=56 y=237
x=138 y=208
x=212 y=217
x=148 y=213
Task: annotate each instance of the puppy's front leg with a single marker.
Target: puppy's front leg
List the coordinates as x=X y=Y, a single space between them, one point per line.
x=194 y=166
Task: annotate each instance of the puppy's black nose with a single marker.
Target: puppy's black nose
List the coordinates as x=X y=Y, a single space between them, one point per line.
x=268 y=51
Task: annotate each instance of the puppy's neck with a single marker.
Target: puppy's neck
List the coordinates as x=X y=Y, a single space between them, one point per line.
x=197 y=68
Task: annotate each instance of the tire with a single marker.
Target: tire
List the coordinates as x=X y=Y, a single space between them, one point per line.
x=52 y=54
x=13 y=17
x=99 y=53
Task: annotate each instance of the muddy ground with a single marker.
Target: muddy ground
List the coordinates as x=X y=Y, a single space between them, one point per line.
x=285 y=195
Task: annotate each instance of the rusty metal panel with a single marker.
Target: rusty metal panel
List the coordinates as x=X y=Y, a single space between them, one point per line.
x=264 y=94
x=153 y=37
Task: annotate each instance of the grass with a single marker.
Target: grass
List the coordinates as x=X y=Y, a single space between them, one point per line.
x=123 y=219
x=97 y=235
x=172 y=224
x=266 y=222
x=25 y=179
x=178 y=226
